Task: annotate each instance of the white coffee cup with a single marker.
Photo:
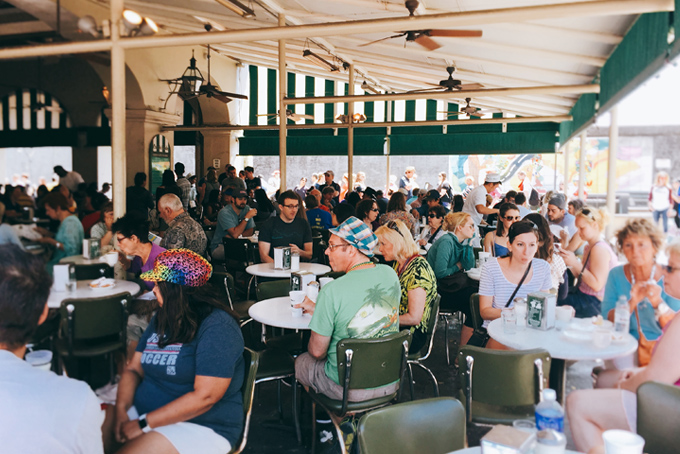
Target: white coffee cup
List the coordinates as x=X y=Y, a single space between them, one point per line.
x=324 y=280
x=297 y=297
x=42 y=359
x=622 y=442
x=111 y=258
x=602 y=338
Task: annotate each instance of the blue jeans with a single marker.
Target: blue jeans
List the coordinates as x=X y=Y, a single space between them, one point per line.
x=661 y=214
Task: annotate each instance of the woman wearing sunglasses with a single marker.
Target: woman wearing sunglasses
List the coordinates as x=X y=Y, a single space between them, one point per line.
x=434 y=230
x=598 y=259
x=367 y=210
x=416 y=278
x=496 y=242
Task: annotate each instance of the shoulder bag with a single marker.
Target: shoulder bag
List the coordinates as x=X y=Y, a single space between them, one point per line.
x=481 y=336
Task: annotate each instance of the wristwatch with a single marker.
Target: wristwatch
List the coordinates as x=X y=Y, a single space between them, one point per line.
x=58 y=245
x=143 y=424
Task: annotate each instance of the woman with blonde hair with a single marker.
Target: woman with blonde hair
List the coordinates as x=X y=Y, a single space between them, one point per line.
x=661 y=199
x=449 y=257
x=417 y=280
x=598 y=259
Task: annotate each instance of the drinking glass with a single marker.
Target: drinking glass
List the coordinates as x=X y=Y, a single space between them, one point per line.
x=509 y=319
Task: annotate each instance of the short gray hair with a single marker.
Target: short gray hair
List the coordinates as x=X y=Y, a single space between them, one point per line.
x=171 y=201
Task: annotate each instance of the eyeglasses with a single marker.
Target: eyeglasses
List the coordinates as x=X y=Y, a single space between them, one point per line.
x=512 y=218
x=393 y=225
x=432 y=215
x=375 y=209
x=292 y=207
x=669 y=269
x=333 y=246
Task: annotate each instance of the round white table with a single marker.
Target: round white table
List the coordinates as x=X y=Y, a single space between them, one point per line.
x=276 y=312
x=267 y=270
x=83 y=291
x=478 y=450
x=560 y=349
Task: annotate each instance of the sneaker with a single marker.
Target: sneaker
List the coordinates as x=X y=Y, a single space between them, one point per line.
x=348 y=426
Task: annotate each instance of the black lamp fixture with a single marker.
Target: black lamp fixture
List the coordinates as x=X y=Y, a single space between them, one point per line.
x=319 y=61
x=191 y=79
x=237 y=7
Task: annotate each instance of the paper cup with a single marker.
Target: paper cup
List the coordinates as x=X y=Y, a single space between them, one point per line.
x=602 y=338
x=622 y=442
x=324 y=280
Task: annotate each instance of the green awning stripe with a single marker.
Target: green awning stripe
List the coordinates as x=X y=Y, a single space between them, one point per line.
x=309 y=91
x=271 y=95
x=410 y=114
x=328 y=108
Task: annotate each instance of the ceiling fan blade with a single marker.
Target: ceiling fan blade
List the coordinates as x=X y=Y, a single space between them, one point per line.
x=425 y=90
x=456 y=33
x=230 y=95
x=267 y=115
x=427 y=42
x=305 y=116
x=293 y=117
x=382 y=39
x=220 y=97
x=53 y=109
x=471 y=86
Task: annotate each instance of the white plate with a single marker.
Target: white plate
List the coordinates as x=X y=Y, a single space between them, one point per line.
x=573 y=335
x=102 y=284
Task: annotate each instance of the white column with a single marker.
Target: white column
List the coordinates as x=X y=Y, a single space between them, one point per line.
x=611 y=166
x=350 y=130
x=566 y=166
x=582 y=167
x=283 y=89
x=118 y=96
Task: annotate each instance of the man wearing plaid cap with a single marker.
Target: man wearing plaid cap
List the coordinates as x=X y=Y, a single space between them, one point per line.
x=363 y=303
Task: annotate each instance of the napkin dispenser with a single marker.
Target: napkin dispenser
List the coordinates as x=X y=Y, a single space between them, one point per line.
x=507 y=440
x=91 y=249
x=541 y=310
x=61 y=275
x=300 y=279
x=282 y=258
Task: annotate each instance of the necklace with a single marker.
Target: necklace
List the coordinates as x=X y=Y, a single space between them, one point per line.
x=360 y=264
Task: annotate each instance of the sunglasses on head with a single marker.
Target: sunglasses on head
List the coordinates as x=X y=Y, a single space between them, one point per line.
x=393 y=225
x=586 y=212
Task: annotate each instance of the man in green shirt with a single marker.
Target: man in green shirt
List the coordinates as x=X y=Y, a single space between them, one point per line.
x=364 y=303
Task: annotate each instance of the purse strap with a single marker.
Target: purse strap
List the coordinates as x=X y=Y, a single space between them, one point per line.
x=518 y=285
x=583 y=268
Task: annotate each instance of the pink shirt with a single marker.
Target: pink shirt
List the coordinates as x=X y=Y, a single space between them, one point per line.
x=613 y=261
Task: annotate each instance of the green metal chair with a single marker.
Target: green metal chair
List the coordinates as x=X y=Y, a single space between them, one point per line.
x=251 y=360
x=414 y=359
x=93 y=271
x=225 y=280
x=432 y=426
x=93 y=327
x=658 y=410
x=474 y=304
x=364 y=364
x=501 y=386
x=477 y=320
x=272 y=289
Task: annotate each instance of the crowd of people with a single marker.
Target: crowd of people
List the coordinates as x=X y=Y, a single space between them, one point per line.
x=395 y=252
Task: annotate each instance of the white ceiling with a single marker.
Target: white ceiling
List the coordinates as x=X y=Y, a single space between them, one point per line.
x=543 y=51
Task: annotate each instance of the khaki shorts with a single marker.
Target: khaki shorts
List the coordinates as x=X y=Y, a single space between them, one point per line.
x=310 y=372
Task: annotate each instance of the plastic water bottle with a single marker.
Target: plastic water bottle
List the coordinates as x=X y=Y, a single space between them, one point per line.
x=621 y=317
x=549 y=413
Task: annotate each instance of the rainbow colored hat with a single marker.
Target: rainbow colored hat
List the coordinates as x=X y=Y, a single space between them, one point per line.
x=179 y=266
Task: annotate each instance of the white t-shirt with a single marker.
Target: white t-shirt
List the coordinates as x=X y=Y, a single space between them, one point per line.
x=660 y=198
x=493 y=283
x=71 y=181
x=42 y=412
x=476 y=197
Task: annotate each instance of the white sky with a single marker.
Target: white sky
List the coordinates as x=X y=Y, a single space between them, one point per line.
x=654 y=103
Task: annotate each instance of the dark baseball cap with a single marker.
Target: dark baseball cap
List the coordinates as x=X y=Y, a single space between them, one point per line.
x=432 y=194
x=240 y=194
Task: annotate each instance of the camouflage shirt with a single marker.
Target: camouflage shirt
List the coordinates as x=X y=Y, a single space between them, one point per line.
x=184 y=232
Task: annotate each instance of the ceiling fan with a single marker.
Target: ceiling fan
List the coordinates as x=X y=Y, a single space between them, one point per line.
x=471 y=111
x=423 y=37
x=449 y=84
x=289 y=115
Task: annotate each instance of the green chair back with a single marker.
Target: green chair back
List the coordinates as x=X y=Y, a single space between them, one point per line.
x=237 y=253
x=477 y=320
x=272 y=289
x=500 y=379
x=334 y=274
x=92 y=318
x=372 y=362
x=431 y=328
x=251 y=360
x=433 y=426
x=658 y=410
x=477 y=250
x=93 y=271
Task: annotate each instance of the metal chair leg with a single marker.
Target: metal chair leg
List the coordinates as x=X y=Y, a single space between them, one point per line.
x=434 y=379
x=410 y=380
x=296 y=416
x=446 y=338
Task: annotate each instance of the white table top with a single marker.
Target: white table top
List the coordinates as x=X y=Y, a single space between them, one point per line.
x=276 y=312
x=474 y=273
x=557 y=345
x=84 y=291
x=478 y=450
x=267 y=270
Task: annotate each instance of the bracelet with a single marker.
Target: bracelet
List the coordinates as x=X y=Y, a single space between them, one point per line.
x=143 y=424
x=662 y=309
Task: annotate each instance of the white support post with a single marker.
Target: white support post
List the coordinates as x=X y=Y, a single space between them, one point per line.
x=582 y=167
x=283 y=88
x=118 y=97
x=611 y=166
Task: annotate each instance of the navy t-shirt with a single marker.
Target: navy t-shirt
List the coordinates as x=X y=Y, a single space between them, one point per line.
x=279 y=233
x=169 y=373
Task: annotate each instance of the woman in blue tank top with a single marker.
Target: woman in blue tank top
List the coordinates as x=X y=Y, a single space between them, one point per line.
x=496 y=242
